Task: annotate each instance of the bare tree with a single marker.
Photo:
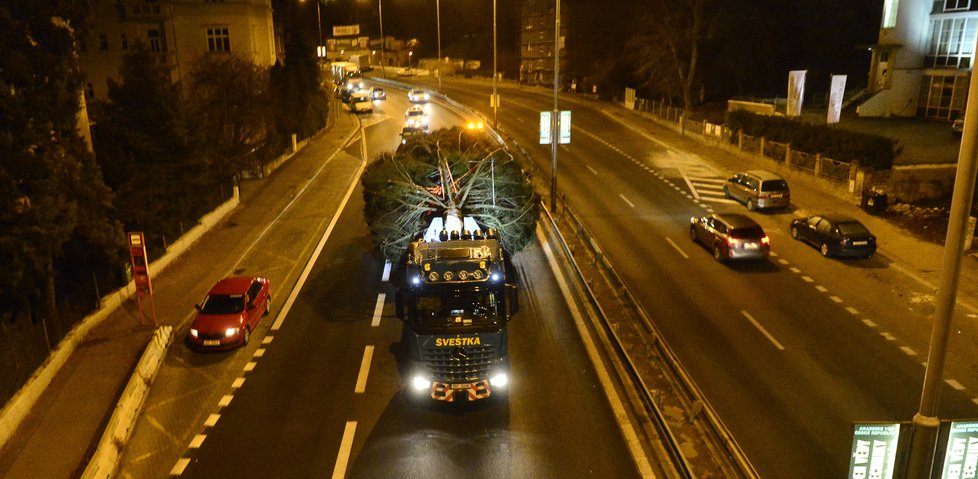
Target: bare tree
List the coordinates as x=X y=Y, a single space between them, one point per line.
x=667 y=44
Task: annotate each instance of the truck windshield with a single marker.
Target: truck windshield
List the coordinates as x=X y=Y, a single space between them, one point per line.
x=467 y=311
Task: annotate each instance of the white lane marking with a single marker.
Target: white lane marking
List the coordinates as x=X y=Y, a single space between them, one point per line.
x=908 y=351
x=626 y=200
x=368 y=354
x=346 y=445
x=636 y=446
x=674 y=245
x=821 y=289
x=387 y=272
x=852 y=311
x=378 y=309
x=888 y=336
x=592 y=170
x=182 y=464
x=762 y=330
x=319 y=247
x=954 y=384
x=720 y=200
x=794 y=270
x=197 y=441
x=869 y=322
x=259 y=352
x=835 y=299
x=774 y=255
x=212 y=420
x=225 y=400
x=267 y=339
x=237 y=383
x=782 y=261
x=690 y=184
x=807 y=279
x=250 y=366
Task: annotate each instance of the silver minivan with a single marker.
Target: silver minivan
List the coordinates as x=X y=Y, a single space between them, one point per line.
x=758 y=189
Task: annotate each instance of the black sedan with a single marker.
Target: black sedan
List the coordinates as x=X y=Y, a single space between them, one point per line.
x=835 y=235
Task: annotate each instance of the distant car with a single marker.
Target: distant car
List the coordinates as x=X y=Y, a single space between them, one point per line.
x=416 y=117
x=407 y=133
x=378 y=93
x=835 y=235
x=730 y=236
x=957 y=128
x=758 y=189
x=417 y=95
x=230 y=313
x=361 y=102
x=405 y=72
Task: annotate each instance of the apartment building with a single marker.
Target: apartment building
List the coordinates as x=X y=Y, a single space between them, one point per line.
x=922 y=64
x=180 y=31
x=537 y=40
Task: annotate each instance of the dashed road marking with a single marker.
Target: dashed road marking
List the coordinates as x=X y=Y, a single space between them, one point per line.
x=386 y=276
x=762 y=330
x=267 y=339
x=212 y=420
x=908 y=351
x=888 y=336
x=626 y=200
x=794 y=270
x=197 y=441
x=674 y=245
x=378 y=310
x=954 y=384
x=592 y=170
x=821 y=289
x=869 y=322
x=182 y=464
x=346 y=445
x=835 y=299
x=225 y=400
x=250 y=366
x=807 y=279
x=782 y=261
x=852 y=311
x=259 y=352
x=368 y=354
x=238 y=383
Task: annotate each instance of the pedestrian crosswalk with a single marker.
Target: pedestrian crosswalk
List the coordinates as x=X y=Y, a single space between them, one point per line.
x=705 y=184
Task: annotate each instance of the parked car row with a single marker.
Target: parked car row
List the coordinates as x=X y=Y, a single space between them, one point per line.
x=736 y=236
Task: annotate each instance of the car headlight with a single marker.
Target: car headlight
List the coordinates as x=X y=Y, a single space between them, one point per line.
x=499 y=381
x=420 y=383
x=230 y=332
x=194 y=332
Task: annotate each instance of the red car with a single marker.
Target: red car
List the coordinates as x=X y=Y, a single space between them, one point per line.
x=230 y=312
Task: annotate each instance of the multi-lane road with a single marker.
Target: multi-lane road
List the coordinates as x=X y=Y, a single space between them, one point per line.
x=790 y=351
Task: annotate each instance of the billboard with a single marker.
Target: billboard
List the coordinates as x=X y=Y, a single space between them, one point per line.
x=874 y=450
x=346 y=30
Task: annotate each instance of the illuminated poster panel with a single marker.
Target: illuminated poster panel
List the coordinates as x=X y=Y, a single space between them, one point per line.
x=874 y=451
x=961 y=457
x=836 y=92
x=796 y=91
x=544 y=127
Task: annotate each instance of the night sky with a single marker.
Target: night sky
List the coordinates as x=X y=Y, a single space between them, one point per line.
x=818 y=35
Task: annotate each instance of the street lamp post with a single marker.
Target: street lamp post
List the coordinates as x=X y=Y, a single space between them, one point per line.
x=438 y=21
x=383 y=47
x=555 y=115
x=319 y=31
x=495 y=97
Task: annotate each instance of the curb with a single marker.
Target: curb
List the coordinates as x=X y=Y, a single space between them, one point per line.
x=123 y=420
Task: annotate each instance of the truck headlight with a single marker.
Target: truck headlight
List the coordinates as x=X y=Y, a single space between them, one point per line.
x=500 y=380
x=230 y=332
x=420 y=383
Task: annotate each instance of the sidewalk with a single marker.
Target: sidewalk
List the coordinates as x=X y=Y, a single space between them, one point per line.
x=59 y=435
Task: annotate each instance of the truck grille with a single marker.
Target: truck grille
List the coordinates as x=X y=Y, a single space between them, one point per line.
x=459 y=365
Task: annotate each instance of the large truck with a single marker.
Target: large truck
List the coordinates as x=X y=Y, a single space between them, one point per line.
x=456 y=294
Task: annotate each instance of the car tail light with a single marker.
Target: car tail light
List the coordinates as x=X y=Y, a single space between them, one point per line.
x=766 y=240
x=733 y=241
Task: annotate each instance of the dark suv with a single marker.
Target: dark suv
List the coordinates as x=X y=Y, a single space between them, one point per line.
x=731 y=236
x=758 y=189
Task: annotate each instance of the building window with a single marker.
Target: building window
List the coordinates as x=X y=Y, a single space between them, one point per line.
x=218 y=40
x=155 y=41
x=890 y=8
x=952 y=42
x=954 y=5
x=124 y=42
x=103 y=42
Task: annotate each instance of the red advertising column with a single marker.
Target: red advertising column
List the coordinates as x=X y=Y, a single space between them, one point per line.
x=140 y=273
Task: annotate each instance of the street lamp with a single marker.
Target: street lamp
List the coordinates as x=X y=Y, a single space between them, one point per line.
x=495 y=97
x=438 y=20
x=383 y=41
x=319 y=30
x=410 y=54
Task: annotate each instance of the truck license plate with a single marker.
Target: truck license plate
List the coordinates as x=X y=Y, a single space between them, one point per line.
x=860 y=243
x=461 y=386
x=212 y=342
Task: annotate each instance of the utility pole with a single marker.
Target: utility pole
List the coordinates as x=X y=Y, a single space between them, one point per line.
x=555 y=115
x=383 y=41
x=495 y=97
x=438 y=20
x=926 y=423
